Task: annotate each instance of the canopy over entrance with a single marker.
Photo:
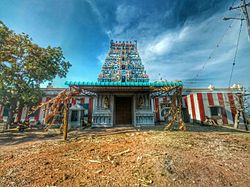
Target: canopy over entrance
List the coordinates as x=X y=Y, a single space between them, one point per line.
x=125 y=86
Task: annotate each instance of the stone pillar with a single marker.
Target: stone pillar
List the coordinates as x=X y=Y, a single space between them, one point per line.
x=112 y=109
x=79 y=119
x=134 y=110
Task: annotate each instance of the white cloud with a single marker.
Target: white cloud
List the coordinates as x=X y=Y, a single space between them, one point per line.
x=101 y=58
x=100 y=18
x=215 y=61
x=125 y=14
x=164 y=42
x=181 y=52
x=95 y=9
x=161 y=46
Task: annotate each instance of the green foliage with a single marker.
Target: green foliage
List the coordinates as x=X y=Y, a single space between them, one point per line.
x=24 y=66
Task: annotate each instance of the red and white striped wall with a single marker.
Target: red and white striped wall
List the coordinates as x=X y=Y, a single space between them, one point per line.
x=159 y=107
x=84 y=100
x=198 y=105
x=41 y=113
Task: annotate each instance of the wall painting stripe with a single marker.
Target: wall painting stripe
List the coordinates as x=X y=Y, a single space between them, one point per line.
x=201 y=106
x=232 y=104
x=189 y=108
x=192 y=106
x=223 y=110
x=228 y=109
x=210 y=99
x=90 y=110
x=196 y=106
x=157 y=109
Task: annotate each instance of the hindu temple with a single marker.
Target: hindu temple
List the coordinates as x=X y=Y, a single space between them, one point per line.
x=123 y=89
x=124 y=96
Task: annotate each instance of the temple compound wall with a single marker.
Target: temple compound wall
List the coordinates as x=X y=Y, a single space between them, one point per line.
x=100 y=111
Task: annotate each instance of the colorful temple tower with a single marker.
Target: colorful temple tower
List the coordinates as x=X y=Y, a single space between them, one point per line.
x=117 y=105
x=123 y=64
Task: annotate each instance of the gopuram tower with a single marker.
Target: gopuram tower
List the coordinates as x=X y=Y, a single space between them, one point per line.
x=123 y=64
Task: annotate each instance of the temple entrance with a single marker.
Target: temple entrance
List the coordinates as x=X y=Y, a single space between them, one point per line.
x=123 y=106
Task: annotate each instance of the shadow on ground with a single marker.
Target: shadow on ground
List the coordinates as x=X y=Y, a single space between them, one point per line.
x=193 y=127
x=159 y=127
x=14 y=137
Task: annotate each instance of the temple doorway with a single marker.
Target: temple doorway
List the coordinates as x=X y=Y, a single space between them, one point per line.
x=123 y=108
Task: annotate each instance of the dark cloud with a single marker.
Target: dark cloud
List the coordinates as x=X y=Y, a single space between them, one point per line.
x=175 y=37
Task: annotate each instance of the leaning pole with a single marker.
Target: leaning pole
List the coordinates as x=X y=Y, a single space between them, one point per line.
x=65 y=121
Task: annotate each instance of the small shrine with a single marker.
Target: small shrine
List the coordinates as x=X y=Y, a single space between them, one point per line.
x=123 y=94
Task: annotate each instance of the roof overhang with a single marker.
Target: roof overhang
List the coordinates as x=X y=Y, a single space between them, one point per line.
x=124 y=86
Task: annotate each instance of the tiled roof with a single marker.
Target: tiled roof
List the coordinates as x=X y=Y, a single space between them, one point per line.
x=124 y=84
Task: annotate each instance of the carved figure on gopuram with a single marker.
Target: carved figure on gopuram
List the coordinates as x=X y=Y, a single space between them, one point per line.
x=123 y=64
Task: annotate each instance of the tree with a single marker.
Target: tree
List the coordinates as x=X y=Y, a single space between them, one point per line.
x=23 y=67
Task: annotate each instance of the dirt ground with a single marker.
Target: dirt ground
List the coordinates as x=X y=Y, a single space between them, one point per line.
x=201 y=156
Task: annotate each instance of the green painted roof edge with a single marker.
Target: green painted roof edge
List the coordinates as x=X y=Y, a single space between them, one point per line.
x=155 y=84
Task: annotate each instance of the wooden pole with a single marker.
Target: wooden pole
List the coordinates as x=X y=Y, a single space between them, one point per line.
x=65 y=121
x=182 y=125
x=244 y=7
x=236 y=119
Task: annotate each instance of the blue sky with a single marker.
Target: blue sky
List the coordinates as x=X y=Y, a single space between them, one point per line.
x=175 y=38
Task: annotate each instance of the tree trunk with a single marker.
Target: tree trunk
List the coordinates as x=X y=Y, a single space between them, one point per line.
x=65 y=121
x=19 y=112
x=236 y=120
x=245 y=120
x=11 y=114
